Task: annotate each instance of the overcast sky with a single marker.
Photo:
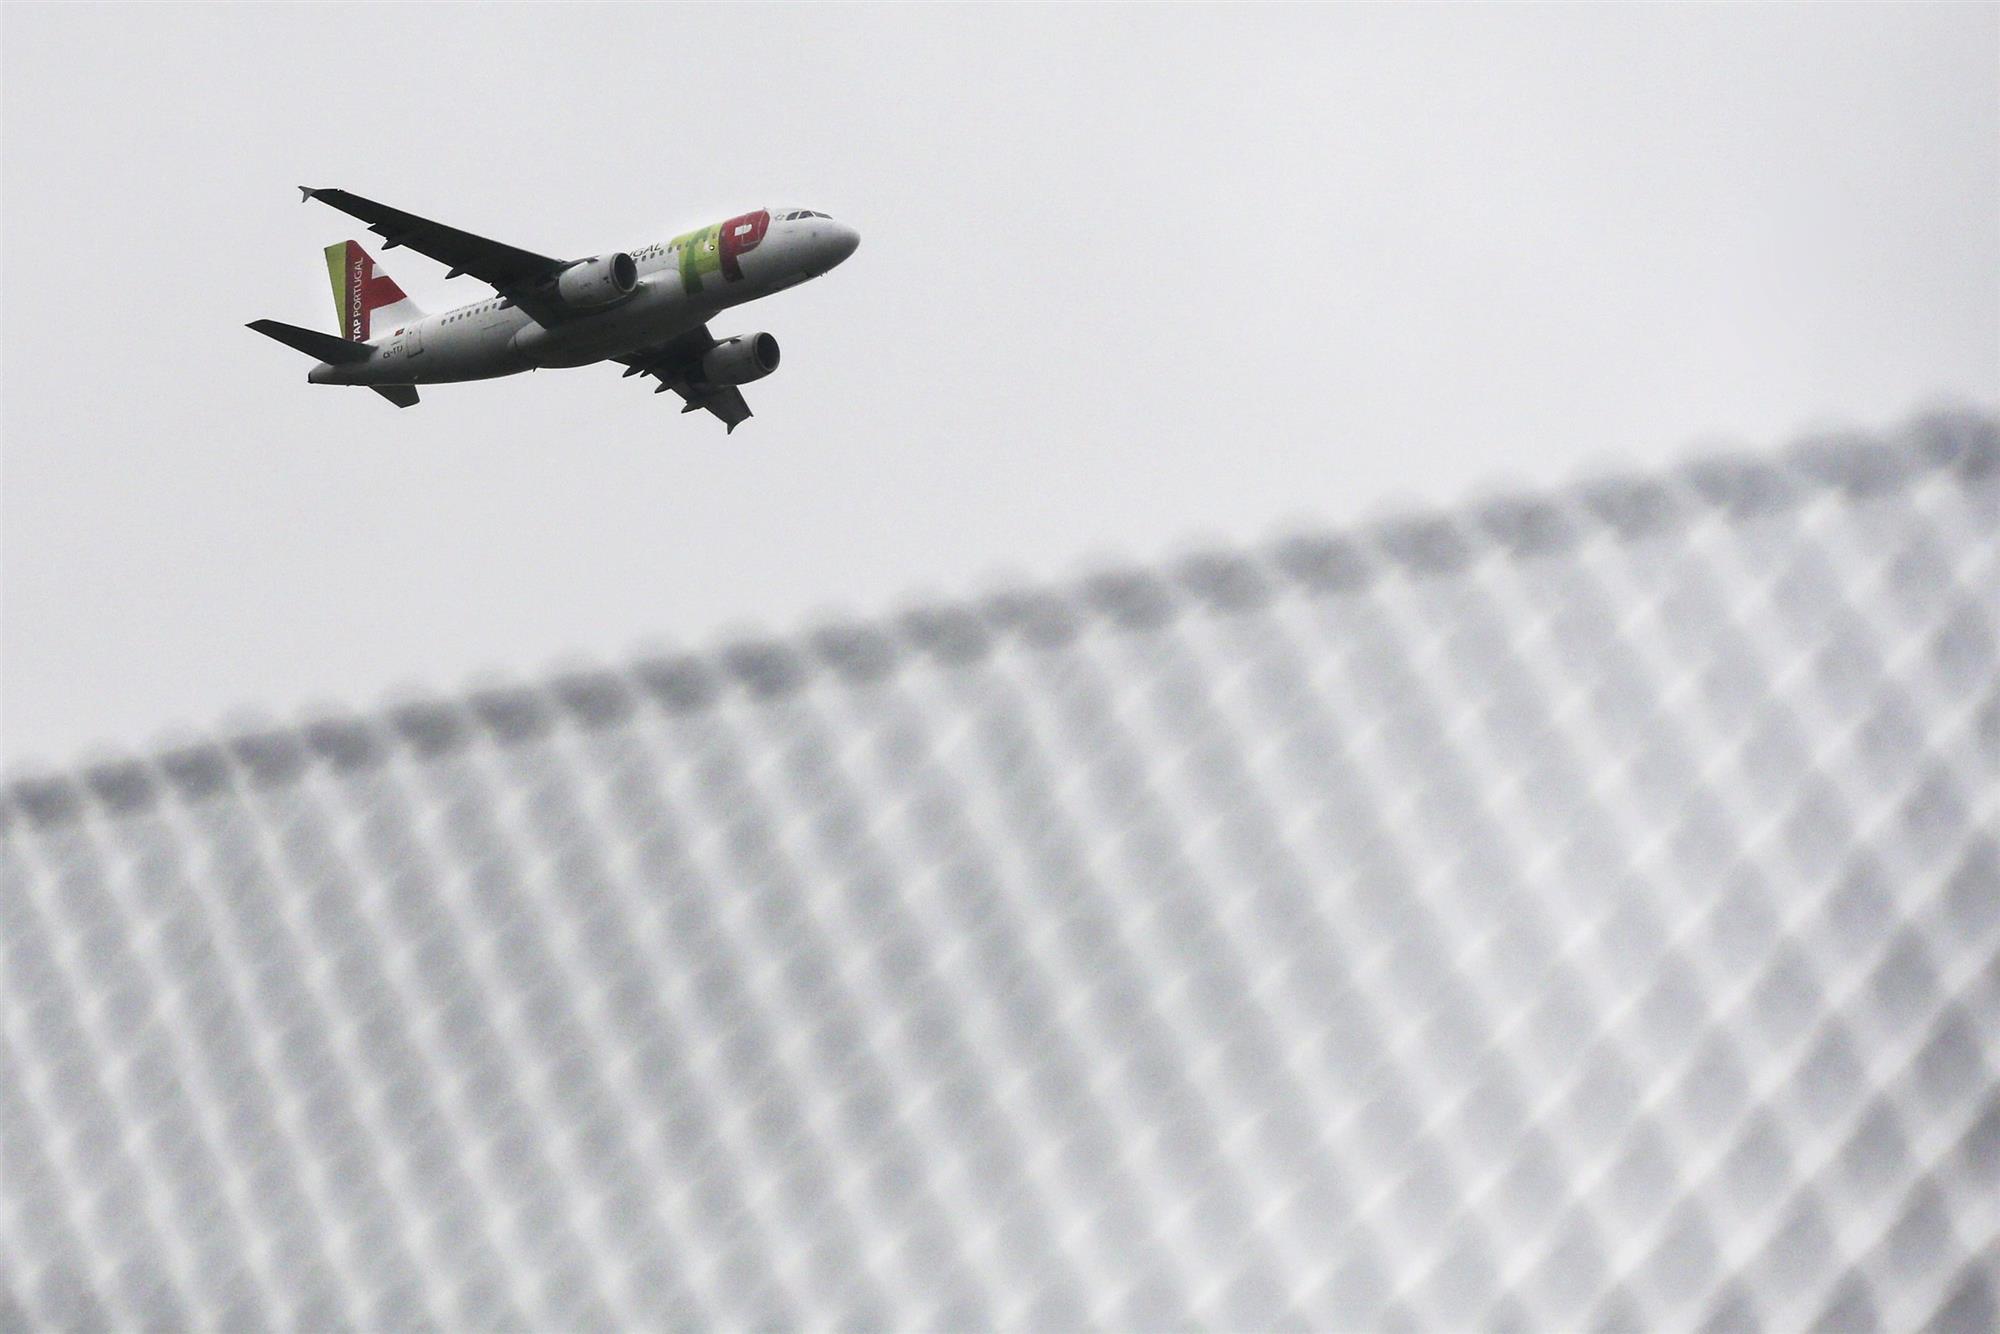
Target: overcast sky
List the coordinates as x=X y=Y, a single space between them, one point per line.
x=1128 y=278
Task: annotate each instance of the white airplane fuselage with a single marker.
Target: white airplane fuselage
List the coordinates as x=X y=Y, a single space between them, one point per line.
x=681 y=284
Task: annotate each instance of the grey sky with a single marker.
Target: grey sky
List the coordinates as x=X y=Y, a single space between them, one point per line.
x=1127 y=278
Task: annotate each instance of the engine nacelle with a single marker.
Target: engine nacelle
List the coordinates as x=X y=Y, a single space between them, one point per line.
x=597 y=281
x=740 y=360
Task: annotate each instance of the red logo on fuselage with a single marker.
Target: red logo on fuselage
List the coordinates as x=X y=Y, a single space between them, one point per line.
x=740 y=235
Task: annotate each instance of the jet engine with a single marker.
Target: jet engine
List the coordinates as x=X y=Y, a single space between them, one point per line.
x=740 y=360
x=597 y=281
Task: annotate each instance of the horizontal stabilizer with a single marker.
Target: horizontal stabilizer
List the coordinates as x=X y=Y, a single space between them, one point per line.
x=402 y=395
x=313 y=343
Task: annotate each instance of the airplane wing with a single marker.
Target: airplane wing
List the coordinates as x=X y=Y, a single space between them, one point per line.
x=672 y=363
x=517 y=274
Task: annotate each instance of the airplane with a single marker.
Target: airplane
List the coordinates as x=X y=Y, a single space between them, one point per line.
x=647 y=309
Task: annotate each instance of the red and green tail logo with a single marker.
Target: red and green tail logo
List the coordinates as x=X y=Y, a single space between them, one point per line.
x=359 y=289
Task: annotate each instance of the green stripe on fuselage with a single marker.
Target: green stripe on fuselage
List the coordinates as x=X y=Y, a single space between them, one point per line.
x=699 y=254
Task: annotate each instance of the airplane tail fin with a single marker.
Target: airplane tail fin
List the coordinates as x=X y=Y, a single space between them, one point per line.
x=366 y=301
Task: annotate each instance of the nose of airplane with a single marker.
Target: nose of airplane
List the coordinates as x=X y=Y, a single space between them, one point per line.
x=841 y=241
